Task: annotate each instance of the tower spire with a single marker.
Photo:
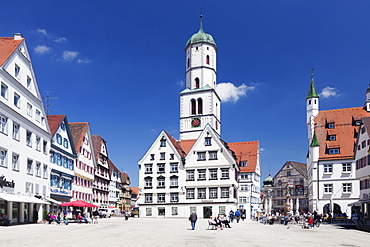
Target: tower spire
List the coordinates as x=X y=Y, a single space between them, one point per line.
x=201 y=23
x=312 y=93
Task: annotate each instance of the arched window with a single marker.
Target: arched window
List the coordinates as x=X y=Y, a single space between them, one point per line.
x=197 y=82
x=188 y=62
x=207 y=59
x=200 y=106
x=192 y=102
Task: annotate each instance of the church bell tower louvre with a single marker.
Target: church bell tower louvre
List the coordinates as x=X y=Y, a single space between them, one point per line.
x=199 y=102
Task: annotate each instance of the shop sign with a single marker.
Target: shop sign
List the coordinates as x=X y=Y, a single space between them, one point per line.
x=56 y=191
x=4 y=183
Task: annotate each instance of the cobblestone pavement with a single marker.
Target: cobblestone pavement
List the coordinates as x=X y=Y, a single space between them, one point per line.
x=177 y=232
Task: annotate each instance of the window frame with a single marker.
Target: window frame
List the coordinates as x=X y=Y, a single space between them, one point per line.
x=4 y=125
x=190 y=193
x=328 y=168
x=190 y=175
x=213 y=174
x=213 y=193
x=328 y=188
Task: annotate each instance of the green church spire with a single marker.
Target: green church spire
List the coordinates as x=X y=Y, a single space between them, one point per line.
x=201 y=36
x=315 y=142
x=312 y=93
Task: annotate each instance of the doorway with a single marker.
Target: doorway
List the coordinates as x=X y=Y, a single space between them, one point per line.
x=207 y=211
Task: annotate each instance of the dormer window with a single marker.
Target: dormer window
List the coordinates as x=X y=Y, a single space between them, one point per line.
x=243 y=163
x=332 y=137
x=334 y=151
x=330 y=125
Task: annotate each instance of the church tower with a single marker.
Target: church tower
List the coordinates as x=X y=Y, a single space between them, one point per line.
x=312 y=109
x=199 y=102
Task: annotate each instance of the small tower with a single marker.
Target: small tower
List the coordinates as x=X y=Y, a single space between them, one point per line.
x=312 y=108
x=199 y=102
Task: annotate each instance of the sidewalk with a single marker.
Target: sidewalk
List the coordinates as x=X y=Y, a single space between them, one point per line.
x=176 y=232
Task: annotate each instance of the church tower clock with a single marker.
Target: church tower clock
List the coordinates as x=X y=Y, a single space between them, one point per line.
x=199 y=102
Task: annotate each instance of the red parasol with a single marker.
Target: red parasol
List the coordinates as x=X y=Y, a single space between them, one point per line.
x=78 y=203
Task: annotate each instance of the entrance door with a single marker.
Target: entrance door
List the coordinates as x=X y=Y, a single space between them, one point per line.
x=207 y=211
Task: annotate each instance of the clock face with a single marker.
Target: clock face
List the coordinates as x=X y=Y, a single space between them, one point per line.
x=195 y=122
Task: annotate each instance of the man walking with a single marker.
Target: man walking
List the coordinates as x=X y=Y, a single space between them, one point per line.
x=193 y=218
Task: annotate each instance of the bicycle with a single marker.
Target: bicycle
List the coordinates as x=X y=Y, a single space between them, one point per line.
x=316 y=223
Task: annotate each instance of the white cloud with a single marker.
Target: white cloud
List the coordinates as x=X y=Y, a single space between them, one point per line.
x=329 y=92
x=180 y=83
x=41 y=49
x=262 y=149
x=83 y=60
x=70 y=55
x=60 y=40
x=228 y=92
x=43 y=31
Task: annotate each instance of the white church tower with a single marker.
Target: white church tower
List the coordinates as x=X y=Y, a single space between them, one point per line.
x=199 y=102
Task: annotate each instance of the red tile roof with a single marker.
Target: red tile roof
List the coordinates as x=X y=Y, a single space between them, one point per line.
x=186 y=145
x=345 y=130
x=78 y=131
x=135 y=190
x=125 y=178
x=112 y=167
x=7 y=46
x=246 y=151
x=54 y=122
x=97 y=141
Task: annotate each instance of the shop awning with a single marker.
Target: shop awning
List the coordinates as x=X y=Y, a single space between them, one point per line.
x=31 y=199
x=358 y=203
x=12 y=198
x=53 y=201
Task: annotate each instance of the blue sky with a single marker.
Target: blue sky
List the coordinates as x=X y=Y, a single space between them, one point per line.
x=120 y=65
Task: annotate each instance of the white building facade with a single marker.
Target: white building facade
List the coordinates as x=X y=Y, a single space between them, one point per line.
x=199 y=172
x=24 y=135
x=114 y=188
x=362 y=159
x=332 y=182
x=62 y=159
x=85 y=162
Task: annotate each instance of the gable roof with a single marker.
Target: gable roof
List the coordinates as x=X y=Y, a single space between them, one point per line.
x=177 y=146
x=186 y=145
x=125 y=178
x=78 y=131
x=245 y=151
x=97 y=141
x=112 y=167
x=7 y=46
x=300 y=167
x=54 y=122
x=344 y=129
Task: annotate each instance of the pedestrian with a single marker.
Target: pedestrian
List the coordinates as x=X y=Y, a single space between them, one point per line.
x=127 y=214
x=193 y=218
x=231 y=216
x=237 y=215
